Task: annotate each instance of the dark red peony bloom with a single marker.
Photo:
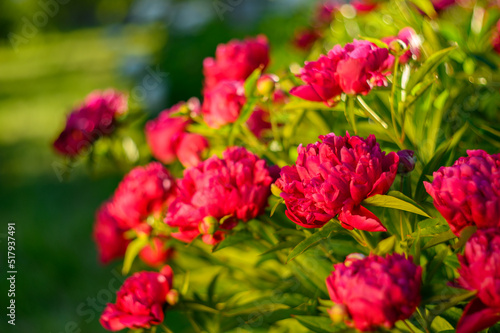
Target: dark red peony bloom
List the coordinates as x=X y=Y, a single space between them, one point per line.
x=468 y=192
x=480 y=270
x=95 y=118
x=333 y=177
x=144 y=191
x=235 y=187
x=139 y=302
x=376 y=291
x=168 y=139
x=109 y=237
x=157 y=253
x=236 y=60
x=223 y=103
x=353 y=69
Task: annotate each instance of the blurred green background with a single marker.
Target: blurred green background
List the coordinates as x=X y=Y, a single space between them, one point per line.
x=52 y=54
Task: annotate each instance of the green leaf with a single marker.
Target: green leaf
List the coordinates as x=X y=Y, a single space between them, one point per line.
x=280 y=201
x=465 y=234
x=395 y=200
x=246 y=111
x=385 y=246
x=300 y=104
x=427 y=67
x=251 y=82
x=133 y=250
x=426 y=6
x=436 y=263
x=316 y=323
x=312 y=240
x=438 y=160
x=439 y=324
x=230 y=240
x=375 y=41
x=279 y=246
x=440 y=238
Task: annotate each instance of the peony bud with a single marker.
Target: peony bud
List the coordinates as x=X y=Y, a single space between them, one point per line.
x=352 y=258
x=337 y=313
x=266 y=84
x=172 y=297
x=407 y=160
x=208 y=226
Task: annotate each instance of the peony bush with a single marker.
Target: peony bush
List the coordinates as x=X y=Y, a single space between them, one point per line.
x=354 y=189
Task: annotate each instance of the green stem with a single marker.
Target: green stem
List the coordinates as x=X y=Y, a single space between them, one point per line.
x=349 y=113
x=368 y=239
x=393 y=96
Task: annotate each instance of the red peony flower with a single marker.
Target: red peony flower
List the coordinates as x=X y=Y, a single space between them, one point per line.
x=236 y=60
x=139 y=302
x=361 y=65
x=157 y=253
x=143 y=192
x=353 y=69
x=109 y=237
x=222 y=104
x=90 y=121
x=480 y=270
x=376 y=291
x=168 y=139
x=333 y=177
x=410 y=38
x=235 y=187
x=468 y=192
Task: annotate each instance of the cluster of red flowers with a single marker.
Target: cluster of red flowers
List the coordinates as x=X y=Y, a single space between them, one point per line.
x=145 y=191
x=330 y=179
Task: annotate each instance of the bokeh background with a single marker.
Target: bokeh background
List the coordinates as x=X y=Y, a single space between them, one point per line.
x=52 y=54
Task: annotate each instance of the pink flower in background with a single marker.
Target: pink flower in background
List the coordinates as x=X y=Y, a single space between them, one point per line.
x=109 y=237
x=139 y=302
x=363 y=6
x=236 y=186
x=468 y=192
x=440 y=5
x=223 y=103
x=144 y=191
x=333 y=177
x=496 y=38
x=157 y=252
x=168 y=139
x=376 y=291
x=304 y=39
x=480 y=270
x=259 y=122
x=410 y=38
x=353 y=69
x=236 y=60
x=95 y=118
x=324 y=12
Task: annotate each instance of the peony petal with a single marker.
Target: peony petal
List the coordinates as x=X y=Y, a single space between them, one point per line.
x=361 y=219
x=307 y=93
x=477 y=317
